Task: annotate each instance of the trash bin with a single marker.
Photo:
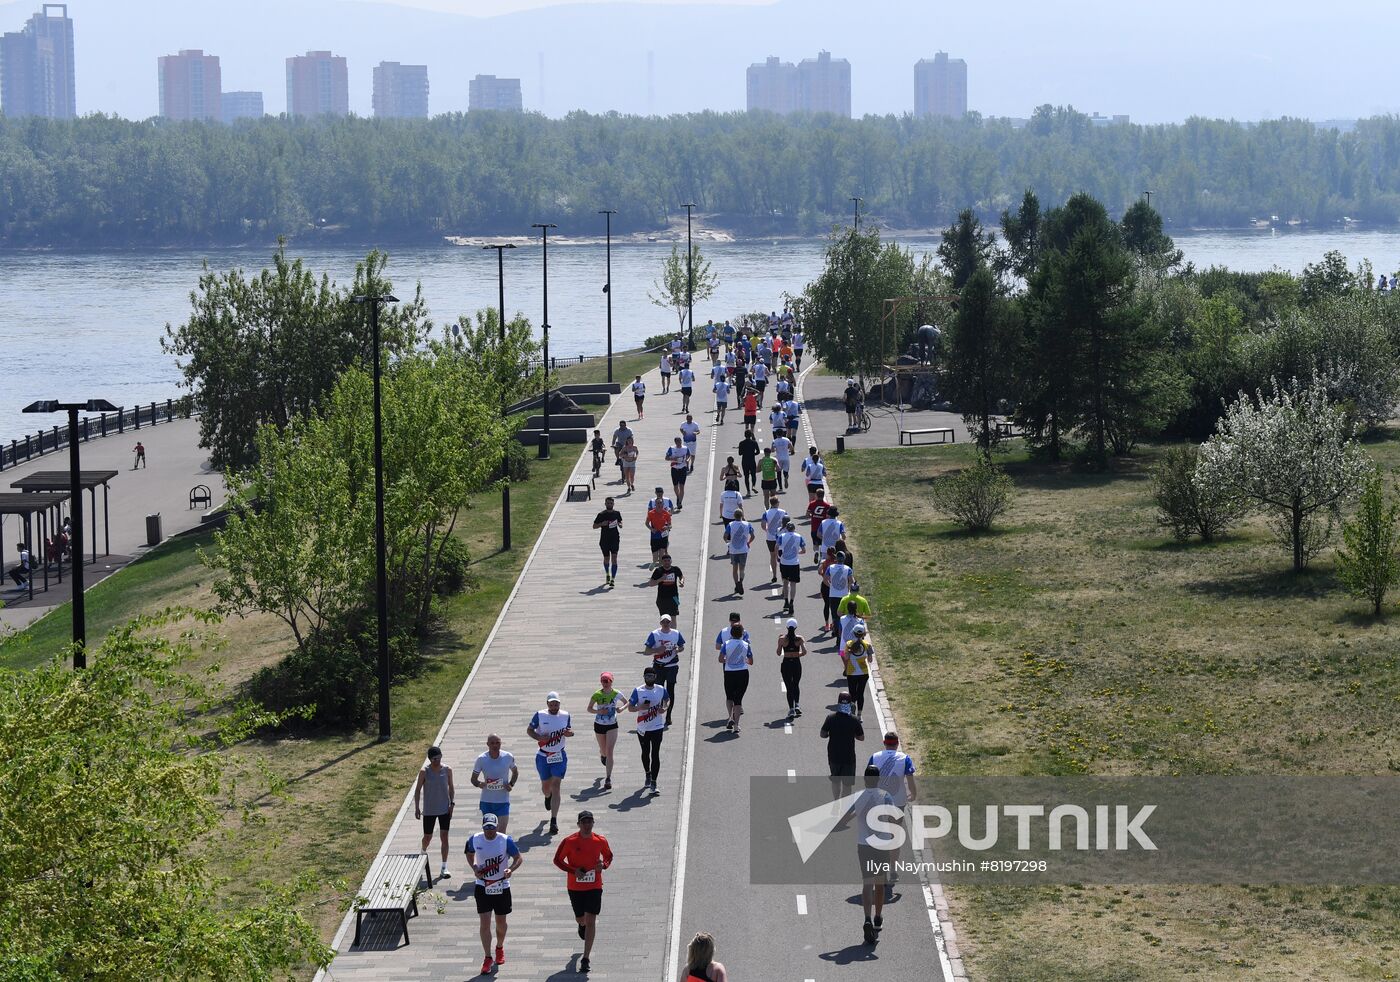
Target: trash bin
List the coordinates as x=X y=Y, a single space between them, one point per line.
x=544 y=446
x=153 y=535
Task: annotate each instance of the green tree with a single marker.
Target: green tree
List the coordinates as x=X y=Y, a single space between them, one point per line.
x=965 y=248
x=1152 y=250
x=1022 y=234
x=1367 y=563
x=980 y=352
x=677 y=290
x=108 y=795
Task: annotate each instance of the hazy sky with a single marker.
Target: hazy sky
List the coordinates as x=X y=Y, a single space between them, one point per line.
x=1152 y=61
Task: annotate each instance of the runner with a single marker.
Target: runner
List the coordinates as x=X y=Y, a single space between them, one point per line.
x=741 y=377
x=791 y=649
x=727 y=332
x=838 y=582
x=600 y=452
x=584 y=856
x=834 y=530
x=690 y=433
x=658 y=520
x=639 y=394
x=669 y=580
x=433 y=799
x=750 y=410
x=897 y=778
x=748 y=453
x=797 y=349
x=874 y=862
x=768 y=474
x=721 y=388
x=791 y=549
x=609 y=522
x=495 y=774
x=782 y=450
x=665 y=367
x=794 y=415
x=629 y=456
x=713 y=344
x=772 y=524
x=650 y=701
x=782 y=389
x=604 y=706
x=760 y=373
x=850 y=620
x=679 y=459
x=815 y=471
x=739 y=534
x=494 y=858
x=817 y=510
x=777 y=421
x=620 y=436
x=729 y=472
x=841 y=731
x=665 y=645
x=855 y=663
x=730 y=501
x=700 y=964
x=736 y=655
x=687 y=380
x=550 y=729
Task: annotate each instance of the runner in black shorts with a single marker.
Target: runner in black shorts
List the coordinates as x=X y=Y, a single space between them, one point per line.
x=736 y=655
x=493 y=857
x=669 y=580
x=609 y=523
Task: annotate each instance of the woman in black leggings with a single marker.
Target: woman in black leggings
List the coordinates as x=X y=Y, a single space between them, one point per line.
x=791 y=649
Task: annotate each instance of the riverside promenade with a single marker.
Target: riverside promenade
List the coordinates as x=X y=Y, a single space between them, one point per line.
x=681 y=858
x=174 y=464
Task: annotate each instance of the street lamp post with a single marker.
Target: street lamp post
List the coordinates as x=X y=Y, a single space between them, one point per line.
x=857 y=201
x=505 y=457
x=75 y=489
x=689 y=281
x=607 y=288
x=1149 y=195
x=381 y=581
x=544 y=228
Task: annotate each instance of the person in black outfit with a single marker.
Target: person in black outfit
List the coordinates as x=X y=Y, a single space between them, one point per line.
x=669 y=580
x=791 y=649
x=841 y=731
x=600 y=452
x=609 y=525
x=748 y=454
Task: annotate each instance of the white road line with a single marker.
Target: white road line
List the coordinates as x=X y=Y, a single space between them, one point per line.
x=792 y=776
x=671 y=962
x=787 y=728
x=801 y=905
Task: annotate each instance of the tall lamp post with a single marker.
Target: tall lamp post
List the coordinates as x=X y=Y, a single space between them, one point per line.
x=1149 y=195
x=689 y=281
x=544 y=228
x=607 y=287
x=75 y=488
x=857 y=201
x=505 y=458
x=381 y=582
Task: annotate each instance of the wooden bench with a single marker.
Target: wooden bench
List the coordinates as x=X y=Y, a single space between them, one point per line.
x=1007 y=428
x=583 y=489
x=946 y=434
x=392 y=887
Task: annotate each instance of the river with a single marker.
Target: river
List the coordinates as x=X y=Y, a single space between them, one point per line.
x=89 y=325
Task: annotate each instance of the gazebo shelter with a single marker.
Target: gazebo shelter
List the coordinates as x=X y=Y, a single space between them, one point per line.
x=50 y=481
x=44 y=510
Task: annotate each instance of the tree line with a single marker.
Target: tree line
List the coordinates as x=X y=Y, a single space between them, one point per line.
x=102 y=180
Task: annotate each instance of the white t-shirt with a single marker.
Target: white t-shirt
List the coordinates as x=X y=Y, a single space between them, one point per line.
x=665 y=646
x=551 y=727
x=782 y=449
x=839 y=579
x=849 y=623
x=832 y=529
x=717 y=372
x=721 y=391
x=816 y=473
x=792 y=409
x=639 y=390
x=894 y=765
x=492 y=857
x=869 y=800
x=648 y=702
x=737 y=655
x=690 y=431
x=687 y=378
x=777 y=419
x=772 y=521
x=740 y=535
x=495 y=774
x=790 y=545
x=679 y=457
x=796 y=340
x=665 y=365
x=760 y=372
x=729 y=503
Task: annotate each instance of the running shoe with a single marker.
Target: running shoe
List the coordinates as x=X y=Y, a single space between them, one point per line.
x=500 y=955
x=654 y=789
x=487 y=966
x=553 y=827
x=797 y=710
x=869 y=931
x=607 y=785
x=879 y=923
x=791 y=715
x=445 y=873
x=583 y=966
x=729 y=724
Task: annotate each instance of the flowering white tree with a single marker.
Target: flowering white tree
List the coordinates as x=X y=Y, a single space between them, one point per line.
x=1291 y=455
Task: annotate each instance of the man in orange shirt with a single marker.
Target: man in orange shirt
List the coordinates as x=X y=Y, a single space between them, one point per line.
x=658 y=520
x=584 y=856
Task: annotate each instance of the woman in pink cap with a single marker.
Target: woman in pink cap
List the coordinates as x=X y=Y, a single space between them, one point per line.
x=603 y=706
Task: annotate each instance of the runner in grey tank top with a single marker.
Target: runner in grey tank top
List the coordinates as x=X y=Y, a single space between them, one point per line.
x=433 y=798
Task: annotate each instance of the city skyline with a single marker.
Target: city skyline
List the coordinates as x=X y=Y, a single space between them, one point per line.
x=37 y=66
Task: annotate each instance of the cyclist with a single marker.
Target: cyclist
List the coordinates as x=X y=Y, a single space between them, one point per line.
x=854 y=397
x=494 y=857
x=600 y=451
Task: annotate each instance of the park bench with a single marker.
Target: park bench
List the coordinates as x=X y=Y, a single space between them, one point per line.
x=392 y=887
x=201 y=495
x=1006 y=428
x=945 y=434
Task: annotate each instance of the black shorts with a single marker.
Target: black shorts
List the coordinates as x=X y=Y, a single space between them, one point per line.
x=772 y=546
x=791 y=574
x=842 y=768
x=443 y=822
x=610 y=545
x=735 y=685
x=874 y=863
x=750 y=420
x=686 y=390
x=761 y=385
x=609 y=727
x=767 y=485
x=812 y=489
x=586 y=901
x=792 y=424
x=661 y=542
x=678 y=475
x=665 y=374
x=668 y=604
x=498 y=904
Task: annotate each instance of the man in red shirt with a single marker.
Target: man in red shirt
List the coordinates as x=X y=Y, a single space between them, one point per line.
x=818 y=510
x=584 y=856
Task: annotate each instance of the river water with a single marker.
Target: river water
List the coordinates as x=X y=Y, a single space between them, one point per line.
x=89 y=325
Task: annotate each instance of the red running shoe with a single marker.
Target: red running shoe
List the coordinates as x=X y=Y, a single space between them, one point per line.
x=500 y=955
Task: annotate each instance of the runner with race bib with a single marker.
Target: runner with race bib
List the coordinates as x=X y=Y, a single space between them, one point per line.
x=649 y=702
x=550 y=729
x=494 y=857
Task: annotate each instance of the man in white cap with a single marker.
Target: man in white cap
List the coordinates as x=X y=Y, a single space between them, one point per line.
x=494 y=857
x=550 y=729
x=665 y=645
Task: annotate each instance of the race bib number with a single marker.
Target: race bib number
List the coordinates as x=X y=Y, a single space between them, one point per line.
x=497 y=888
x=590 y=877
x=555 y=758
x=495 y=784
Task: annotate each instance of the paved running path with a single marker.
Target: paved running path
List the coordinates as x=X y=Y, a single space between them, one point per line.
x=175 y=463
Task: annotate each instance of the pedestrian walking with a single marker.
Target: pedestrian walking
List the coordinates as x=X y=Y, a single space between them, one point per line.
x=551 y=729
x=700 y=964
x=792 y=647
x=841 y=730
x=583 y=856
x=140 y=451
x=495 y=774
x=604 y=706
x=494 y=858
x=669 y=580
x=736 y=655
x=639 y=394
x=665 y=645
x=608 y=522
x=434 y=797
x=791 y=548
x=629 y=455
x=649 y=702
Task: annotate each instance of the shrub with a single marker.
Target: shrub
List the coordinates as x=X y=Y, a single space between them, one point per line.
x=657 y=341
x=1188 y=508
x=1367 y=563
x=975 y=496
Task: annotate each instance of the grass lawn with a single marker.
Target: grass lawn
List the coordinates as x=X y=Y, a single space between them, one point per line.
x=340 y=789
x=1079 y=638
x=626 y=364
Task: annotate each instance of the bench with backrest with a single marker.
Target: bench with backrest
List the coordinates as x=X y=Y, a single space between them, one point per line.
x=392 y=887
x=1007 y=428
x=945 y=434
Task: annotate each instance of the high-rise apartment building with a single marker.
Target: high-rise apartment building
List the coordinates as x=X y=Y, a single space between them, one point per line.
x=317 y=85
x=772 y=86
x=240 y=105
x=190 y=86
x=940 y=87
x=824 y=85
x=490 y=92
x=36 y=66
x=401 y=91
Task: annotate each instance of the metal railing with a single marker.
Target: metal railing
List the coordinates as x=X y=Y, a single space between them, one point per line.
x=56 y=438
x=564 y=362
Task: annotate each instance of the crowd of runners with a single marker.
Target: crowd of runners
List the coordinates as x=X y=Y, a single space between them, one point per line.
x=802 y=533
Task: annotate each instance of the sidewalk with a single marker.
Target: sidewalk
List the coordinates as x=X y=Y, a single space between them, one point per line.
x=558 y=630
x=175 y=463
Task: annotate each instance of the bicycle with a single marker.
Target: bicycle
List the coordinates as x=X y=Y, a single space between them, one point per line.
x=863 y=420
x=598 y=457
